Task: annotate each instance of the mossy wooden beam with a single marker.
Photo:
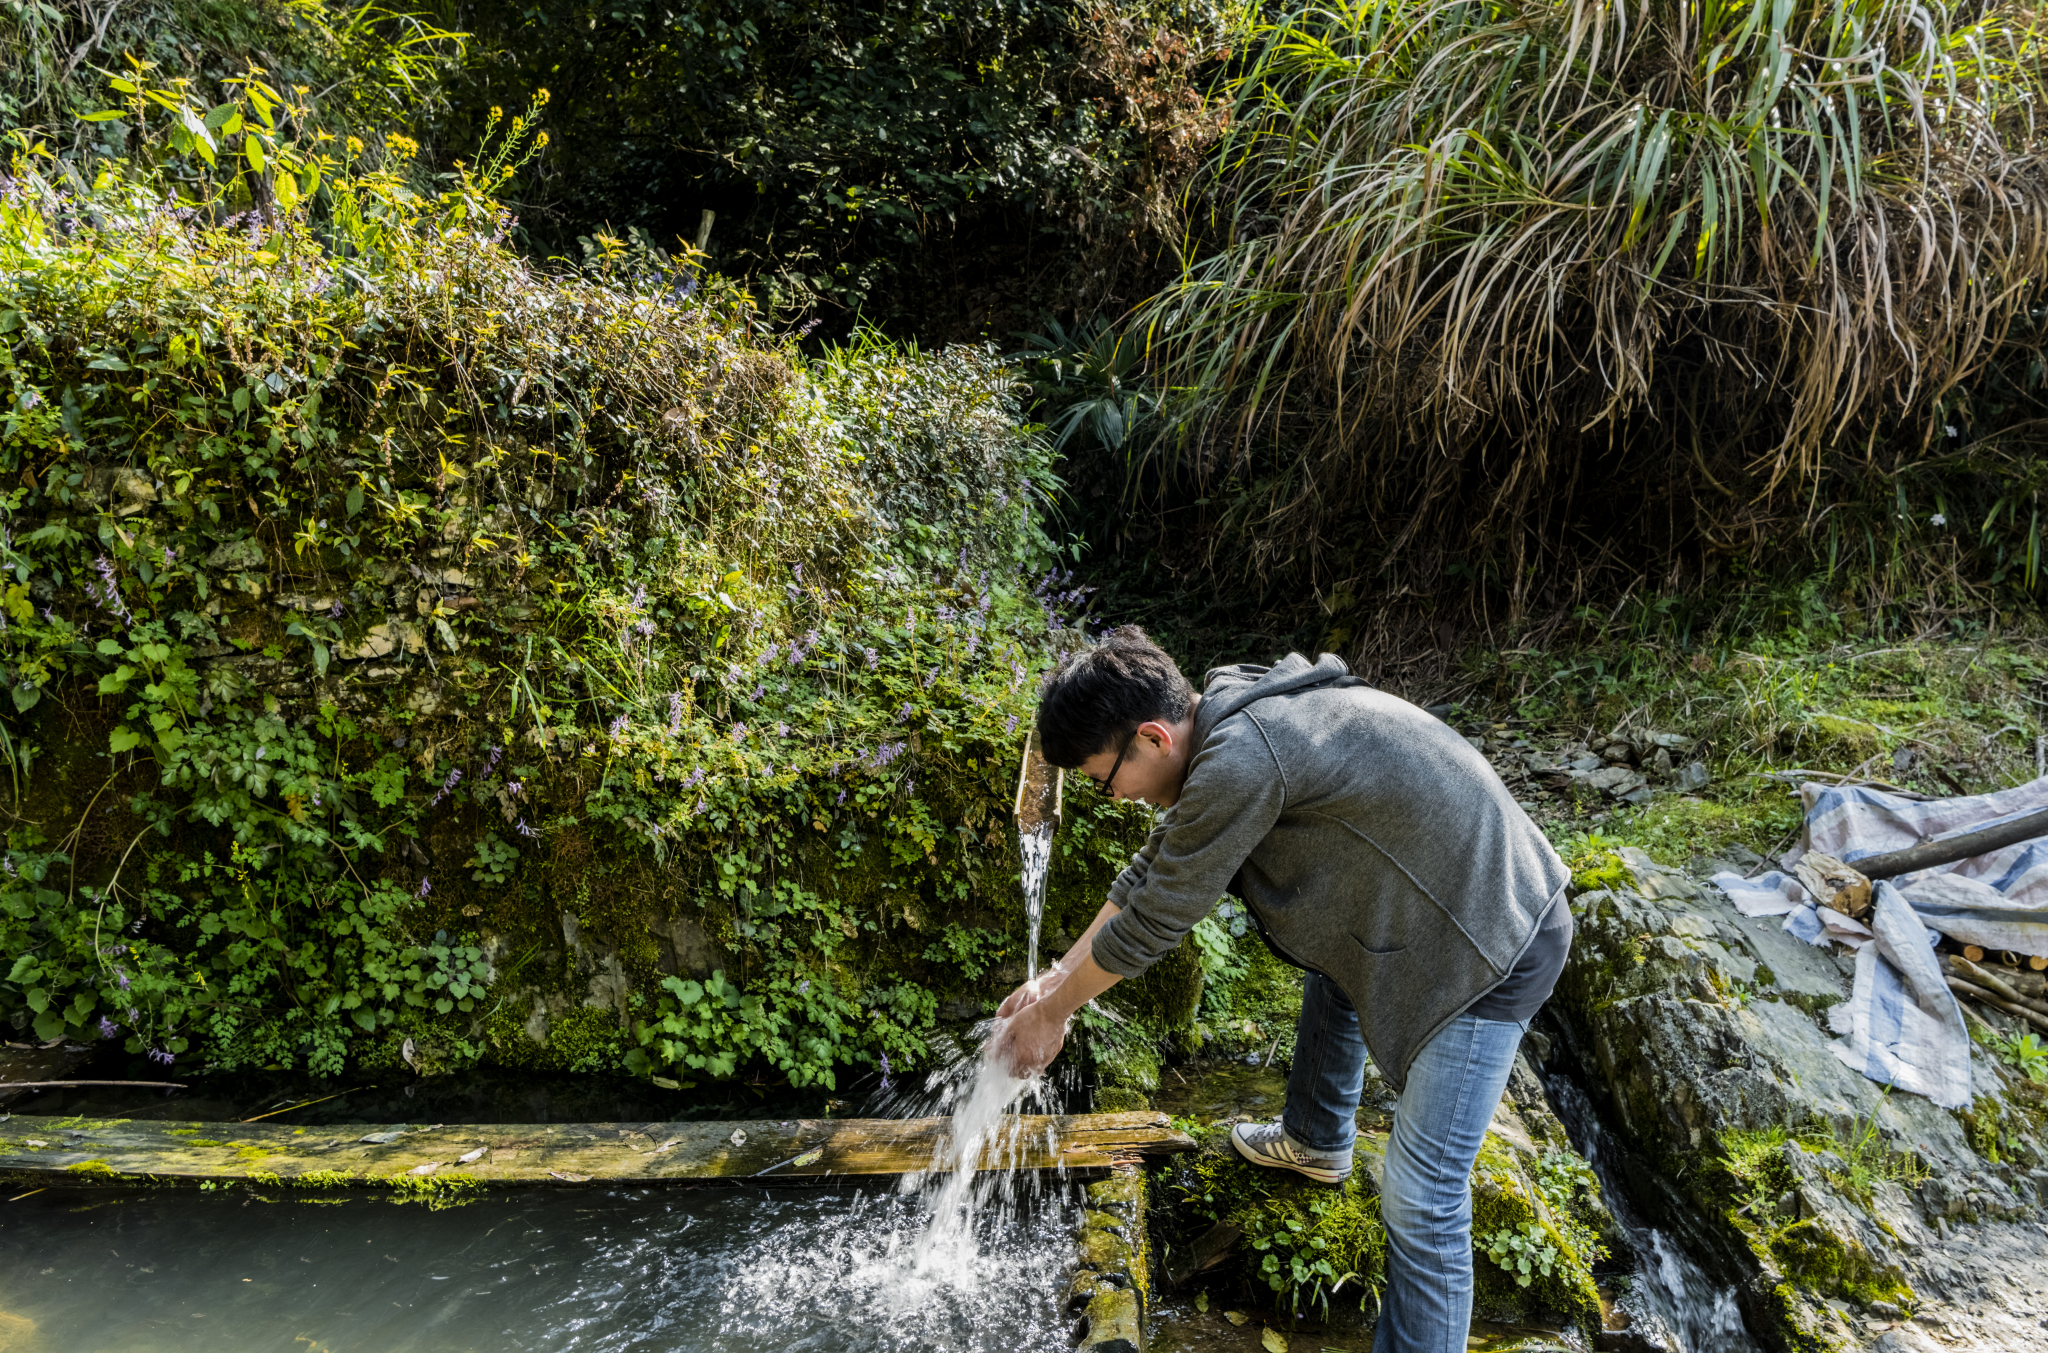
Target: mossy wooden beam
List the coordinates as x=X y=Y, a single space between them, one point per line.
x=811 y=1150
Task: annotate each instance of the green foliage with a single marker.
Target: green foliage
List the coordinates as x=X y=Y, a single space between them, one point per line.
x=2026 y=1053
x=1308 y=1242
x=1524 y=1251
x=373 y=599
x=372 y=65
x=898 y=162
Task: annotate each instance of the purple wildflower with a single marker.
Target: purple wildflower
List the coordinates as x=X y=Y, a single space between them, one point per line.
x=769 y=656
x=759 y=691
x=782 y=730
x=739 y=732
x=904 y=712
x=169 y=555
x=162 y=1055
x=842 y=796
x=108 y=1028
x=30 y=398
x=336 y=610
x=425 y=887
x=1011 y=726
x=121 y=976
x=618 y=725
x=931 y=677
x=885 y=1071
x=675 y=713
x=870 y=653
x=525 y=830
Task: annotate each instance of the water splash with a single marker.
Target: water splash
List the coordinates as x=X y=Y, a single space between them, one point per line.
x=1672 y=1304
x=1035 y=846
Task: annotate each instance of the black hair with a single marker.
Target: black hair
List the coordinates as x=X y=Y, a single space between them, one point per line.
x=1098 y=695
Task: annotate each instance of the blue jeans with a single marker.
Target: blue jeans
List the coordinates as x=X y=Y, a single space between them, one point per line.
x=1426 y=1194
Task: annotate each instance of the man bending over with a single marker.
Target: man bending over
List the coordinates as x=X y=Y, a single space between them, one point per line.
x=1376 y=850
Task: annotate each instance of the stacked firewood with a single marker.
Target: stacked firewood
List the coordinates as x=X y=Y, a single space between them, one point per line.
x=2019 y=992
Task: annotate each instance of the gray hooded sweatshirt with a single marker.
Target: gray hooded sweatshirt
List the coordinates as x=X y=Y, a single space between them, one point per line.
x=1372 y=843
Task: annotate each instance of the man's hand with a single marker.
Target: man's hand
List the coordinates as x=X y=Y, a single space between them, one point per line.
x=1032 y=1022
x=1032 y=992
x=1026 y=1043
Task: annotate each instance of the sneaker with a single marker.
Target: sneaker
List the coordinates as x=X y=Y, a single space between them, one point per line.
x=1268 y=1144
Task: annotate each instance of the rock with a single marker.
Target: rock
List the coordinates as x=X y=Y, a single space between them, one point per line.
x=384 y=639
x=1819 y=1199
x=1693 y=776
x=244 y=556
x=1661 y=761
x=1671 y=742
x=1587 y=762
x=1619 y=781
x=1619 y=750
x=131 y=492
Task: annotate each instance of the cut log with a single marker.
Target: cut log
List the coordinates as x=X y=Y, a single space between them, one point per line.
x=1991 y=981
x=1834 y=884
x=1977 y=993
x=1974 y=952
x=1931 y=853
x=794 y=1150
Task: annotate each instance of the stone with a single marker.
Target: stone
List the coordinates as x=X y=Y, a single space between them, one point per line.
x=1619 y=781
x=242 y=556
x=1115 y=1323
x=1661 y=761
x=1587 y=762
x=1693 y=776
x=1105 y=1252
x=1806 y=1190
x=1671 y=742
x=382 y=640
x=131 y=491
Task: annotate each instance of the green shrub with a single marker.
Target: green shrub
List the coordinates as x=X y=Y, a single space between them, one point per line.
x=401 y=638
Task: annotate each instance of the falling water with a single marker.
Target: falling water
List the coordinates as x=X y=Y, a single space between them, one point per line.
x=1672 y=1305
x=1035 y=846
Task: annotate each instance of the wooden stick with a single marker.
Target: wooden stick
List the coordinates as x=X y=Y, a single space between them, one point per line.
x=59 y=1085
x=1931 y=853
x=1958 y=985
x=1971 y=972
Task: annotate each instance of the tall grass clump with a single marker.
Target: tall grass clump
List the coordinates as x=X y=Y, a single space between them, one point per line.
x=1527 y=292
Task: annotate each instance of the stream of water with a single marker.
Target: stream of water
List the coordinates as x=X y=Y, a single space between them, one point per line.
x=1035 y=846
x=1671 y=1303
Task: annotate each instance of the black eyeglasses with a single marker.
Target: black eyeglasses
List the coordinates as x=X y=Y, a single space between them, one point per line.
x=1105 y=783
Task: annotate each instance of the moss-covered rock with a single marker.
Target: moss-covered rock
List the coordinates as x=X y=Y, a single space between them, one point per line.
x=1825 y=1202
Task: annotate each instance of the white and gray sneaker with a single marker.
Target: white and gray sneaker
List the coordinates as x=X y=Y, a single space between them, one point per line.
x=1268 y=1144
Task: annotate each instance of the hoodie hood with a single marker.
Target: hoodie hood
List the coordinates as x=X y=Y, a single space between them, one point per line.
x=1226 y=690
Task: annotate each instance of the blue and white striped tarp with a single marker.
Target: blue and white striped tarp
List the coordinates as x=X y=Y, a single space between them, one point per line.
x=1901 y=1025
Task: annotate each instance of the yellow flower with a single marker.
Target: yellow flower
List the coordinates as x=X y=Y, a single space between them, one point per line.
x=355 y=146
x=496 y=112
x=540 y=140
x=402 y=146
x=505 y=173
x=540 y=98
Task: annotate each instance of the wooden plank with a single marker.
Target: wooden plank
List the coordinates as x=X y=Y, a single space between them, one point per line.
x=767 y=1149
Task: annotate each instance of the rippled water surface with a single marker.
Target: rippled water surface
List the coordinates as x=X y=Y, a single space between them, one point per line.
x=678 y=1271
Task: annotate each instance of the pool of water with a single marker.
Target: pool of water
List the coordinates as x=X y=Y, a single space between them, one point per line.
x=623 y=1270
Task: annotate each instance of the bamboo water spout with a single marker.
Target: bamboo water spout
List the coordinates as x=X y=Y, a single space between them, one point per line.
x=1040 y=792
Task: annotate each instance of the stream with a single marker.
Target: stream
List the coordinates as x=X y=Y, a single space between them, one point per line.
x=1672 y=1305
x=733 y=1270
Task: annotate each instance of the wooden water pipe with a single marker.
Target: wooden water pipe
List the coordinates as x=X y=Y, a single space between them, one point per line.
x=1041 y=789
